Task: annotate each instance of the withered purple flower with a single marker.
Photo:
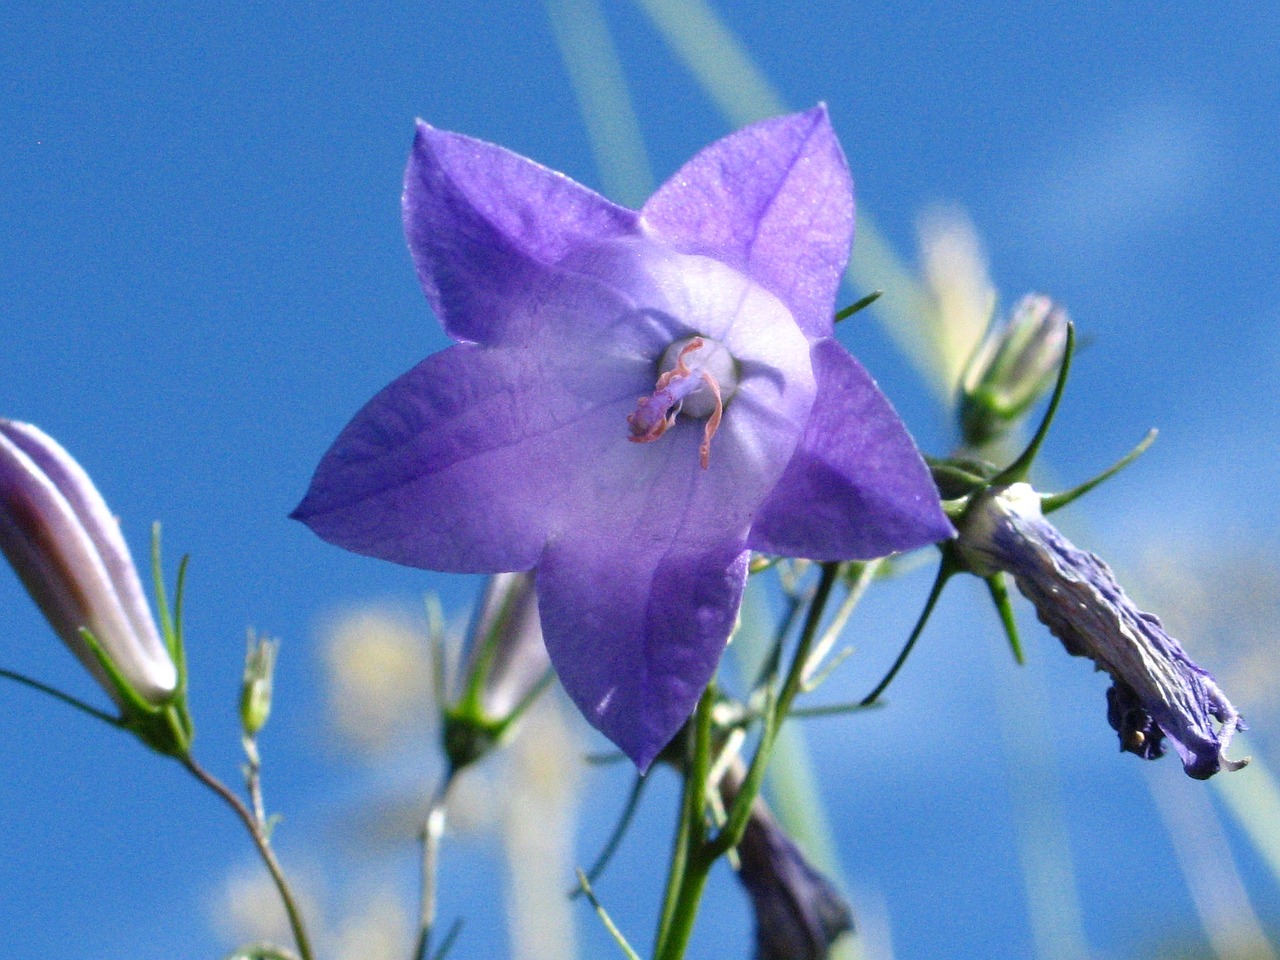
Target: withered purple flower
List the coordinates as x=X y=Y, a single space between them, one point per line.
x=1157 y=691
x=634 y=402
x=67 y=548
x=799 y=912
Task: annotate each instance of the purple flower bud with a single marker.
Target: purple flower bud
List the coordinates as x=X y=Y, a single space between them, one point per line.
x=56 y=531
x=1012 y=367
x=1157 y=691
x=799 y=912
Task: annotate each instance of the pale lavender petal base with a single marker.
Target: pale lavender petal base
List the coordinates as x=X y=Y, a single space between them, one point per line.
x=856 y=487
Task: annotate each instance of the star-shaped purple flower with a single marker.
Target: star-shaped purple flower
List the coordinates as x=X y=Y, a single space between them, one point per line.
x=636 y=400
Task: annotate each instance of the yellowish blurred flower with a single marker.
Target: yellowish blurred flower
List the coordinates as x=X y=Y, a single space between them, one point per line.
x=379 y=677
x=955 y=274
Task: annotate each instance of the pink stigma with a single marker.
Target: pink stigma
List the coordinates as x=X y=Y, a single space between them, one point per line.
x=656 y=413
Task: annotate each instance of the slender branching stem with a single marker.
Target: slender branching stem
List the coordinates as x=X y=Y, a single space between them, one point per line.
x=685 y=885
x=263 y=844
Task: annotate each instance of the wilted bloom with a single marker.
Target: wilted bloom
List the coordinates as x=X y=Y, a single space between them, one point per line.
x=1156 y=690
x=636 y=400
x=1012 y=368
x=68 y=550
x=504 y=664
x=799 y=912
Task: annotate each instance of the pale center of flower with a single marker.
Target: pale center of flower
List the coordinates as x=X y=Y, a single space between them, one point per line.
x=696 y=378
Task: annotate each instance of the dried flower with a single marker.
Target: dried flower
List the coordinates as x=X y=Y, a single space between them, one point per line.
x=523 y=446
x=1157 y=691
x=799 y=912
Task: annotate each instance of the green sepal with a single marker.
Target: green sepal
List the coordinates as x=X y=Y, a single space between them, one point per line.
x=1000 y=597
x=171 y=624
x=165 y=727
x=949 y=567
x=1018 y=470
x=1056 y=501
x=862 y=304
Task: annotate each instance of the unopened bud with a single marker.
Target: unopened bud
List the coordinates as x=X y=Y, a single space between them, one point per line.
x=255 y=692
x=1013 y=366
x=56 y=531
x=504 y=665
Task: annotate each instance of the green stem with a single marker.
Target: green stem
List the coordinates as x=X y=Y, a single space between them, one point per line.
x=740 y=813
x=264 y=850
x=701 y=852
x=680 y=907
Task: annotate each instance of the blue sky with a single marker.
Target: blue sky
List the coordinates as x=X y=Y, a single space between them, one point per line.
x=202 y=277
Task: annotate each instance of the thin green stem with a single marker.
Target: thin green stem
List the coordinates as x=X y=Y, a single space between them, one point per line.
x=674 y=937
x=585 y=886
x=741 y=810
x=615 y=838
x=945 y=570
x=62 y=697
x=264 y=850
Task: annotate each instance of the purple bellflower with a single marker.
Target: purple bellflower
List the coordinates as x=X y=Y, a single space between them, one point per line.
x=635 y=401
x=1156 y=690
x=68 y=551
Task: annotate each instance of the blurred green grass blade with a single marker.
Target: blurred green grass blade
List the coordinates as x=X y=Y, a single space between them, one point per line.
x=742 y=92
x=600 y=86
x=1252 y=796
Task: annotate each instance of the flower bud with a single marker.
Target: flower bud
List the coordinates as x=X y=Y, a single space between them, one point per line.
x=56 y=531
x=799 y=912
x=255 y=692
x=504 y=664
x=1015 y=363
x=1157 y=691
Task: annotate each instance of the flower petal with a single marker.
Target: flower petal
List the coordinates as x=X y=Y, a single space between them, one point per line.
x=774 y=200
x=856 y=487
x=635 y=628
x=456 y=465
x=478 y=218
